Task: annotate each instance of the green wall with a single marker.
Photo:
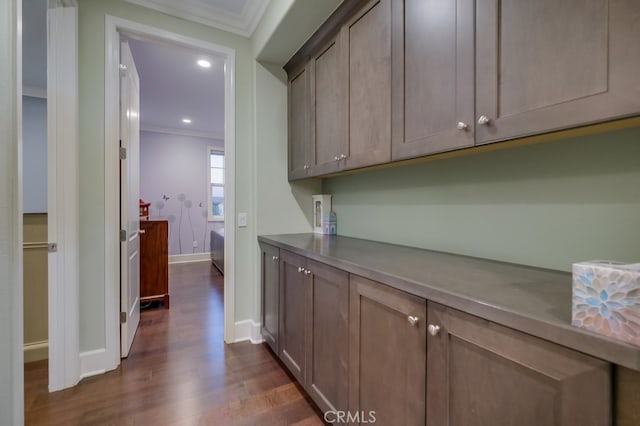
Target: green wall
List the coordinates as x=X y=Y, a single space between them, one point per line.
x=92 y=147
x=281 y=207
x=546 y=205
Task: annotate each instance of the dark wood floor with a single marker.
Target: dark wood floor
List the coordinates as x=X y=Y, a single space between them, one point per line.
x=179 y=372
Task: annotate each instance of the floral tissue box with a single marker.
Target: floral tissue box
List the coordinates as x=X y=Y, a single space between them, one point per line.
x=606 y=299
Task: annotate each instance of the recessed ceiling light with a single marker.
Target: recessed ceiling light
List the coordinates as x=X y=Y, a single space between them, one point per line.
x=186 y=120
x=204 y=63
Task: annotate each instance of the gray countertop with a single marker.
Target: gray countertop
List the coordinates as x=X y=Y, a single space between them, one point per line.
x=532 y=300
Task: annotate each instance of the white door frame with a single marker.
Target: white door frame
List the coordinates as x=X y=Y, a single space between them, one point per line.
x=114 y=26
x=63 y=194
x=11 y=310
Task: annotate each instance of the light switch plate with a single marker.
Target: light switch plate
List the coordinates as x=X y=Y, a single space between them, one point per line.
x=242 y=220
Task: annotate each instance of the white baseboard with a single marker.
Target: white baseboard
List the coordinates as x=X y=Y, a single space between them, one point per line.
x=248 y=330
x=36 y=351
x=93 y=363
x=189 y=258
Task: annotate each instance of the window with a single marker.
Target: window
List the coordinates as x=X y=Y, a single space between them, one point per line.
x=216 y=185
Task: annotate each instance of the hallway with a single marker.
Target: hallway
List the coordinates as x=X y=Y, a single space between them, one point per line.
x=179 y=372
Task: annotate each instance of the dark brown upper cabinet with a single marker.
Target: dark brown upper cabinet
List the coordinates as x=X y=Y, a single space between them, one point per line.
x=385 y=80
x=328 y=143
x=546 y=65
x=366 y=37
x=299 y=132
x=432 y=84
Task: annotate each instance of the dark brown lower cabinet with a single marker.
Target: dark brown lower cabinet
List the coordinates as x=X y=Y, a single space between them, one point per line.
x=293 y=303
x=481 y=373
x=371 y=353
x=387 y=353
x=154 y=261
x=328 y=340
x=269 y=314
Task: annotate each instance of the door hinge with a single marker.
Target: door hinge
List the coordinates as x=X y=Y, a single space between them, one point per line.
x=123 y=153
x=123 y=235
x=123 y=317
x=52 y=247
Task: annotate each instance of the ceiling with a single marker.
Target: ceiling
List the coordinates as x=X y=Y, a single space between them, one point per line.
x=173 y=87
x=236 y=16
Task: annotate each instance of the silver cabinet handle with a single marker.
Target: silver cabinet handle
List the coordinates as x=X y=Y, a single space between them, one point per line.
x=306 y=167
x=462 y=126
x=483 y=120
x=275 y=257
x=142 y=231
x=433 y=329
x=343 y=157
x=300 y=269
x=307 y=272
x=413 y=320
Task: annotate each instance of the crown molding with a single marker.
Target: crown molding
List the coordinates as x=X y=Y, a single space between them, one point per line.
x=243 y=24
x=182 y=132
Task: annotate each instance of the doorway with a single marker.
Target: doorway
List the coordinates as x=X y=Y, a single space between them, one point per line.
x=116 y=29
x=173 y=98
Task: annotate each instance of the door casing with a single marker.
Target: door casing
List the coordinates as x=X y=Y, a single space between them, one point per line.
x=113 y=28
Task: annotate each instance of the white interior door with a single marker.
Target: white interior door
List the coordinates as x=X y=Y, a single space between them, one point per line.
x=129 y=198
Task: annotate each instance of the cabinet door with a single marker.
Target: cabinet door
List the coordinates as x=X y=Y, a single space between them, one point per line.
x=270 y=295
x=547 y=64
x=328 y=109
x=367 y=39
x=387 y=350
x=480 y=373
x=432 y=76
x=298 y=123
x=154 y=259
x=327 y=328
x=293 y=307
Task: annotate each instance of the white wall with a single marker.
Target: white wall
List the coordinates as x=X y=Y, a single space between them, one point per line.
x=34 y=137
x=11 y=356
x=174 y=178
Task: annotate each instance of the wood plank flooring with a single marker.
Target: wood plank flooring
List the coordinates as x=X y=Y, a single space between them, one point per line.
x=179 y=372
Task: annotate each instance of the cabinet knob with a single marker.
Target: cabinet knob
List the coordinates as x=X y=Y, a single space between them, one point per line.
x=462 y=126
x=300 y=269
x=336 y=158
x=433 y=329
x=483 y=120
x=343 y=157
x=142 y=231
x=306 y=167
x=275 y=257
x=413 y=320
x=307 y=272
